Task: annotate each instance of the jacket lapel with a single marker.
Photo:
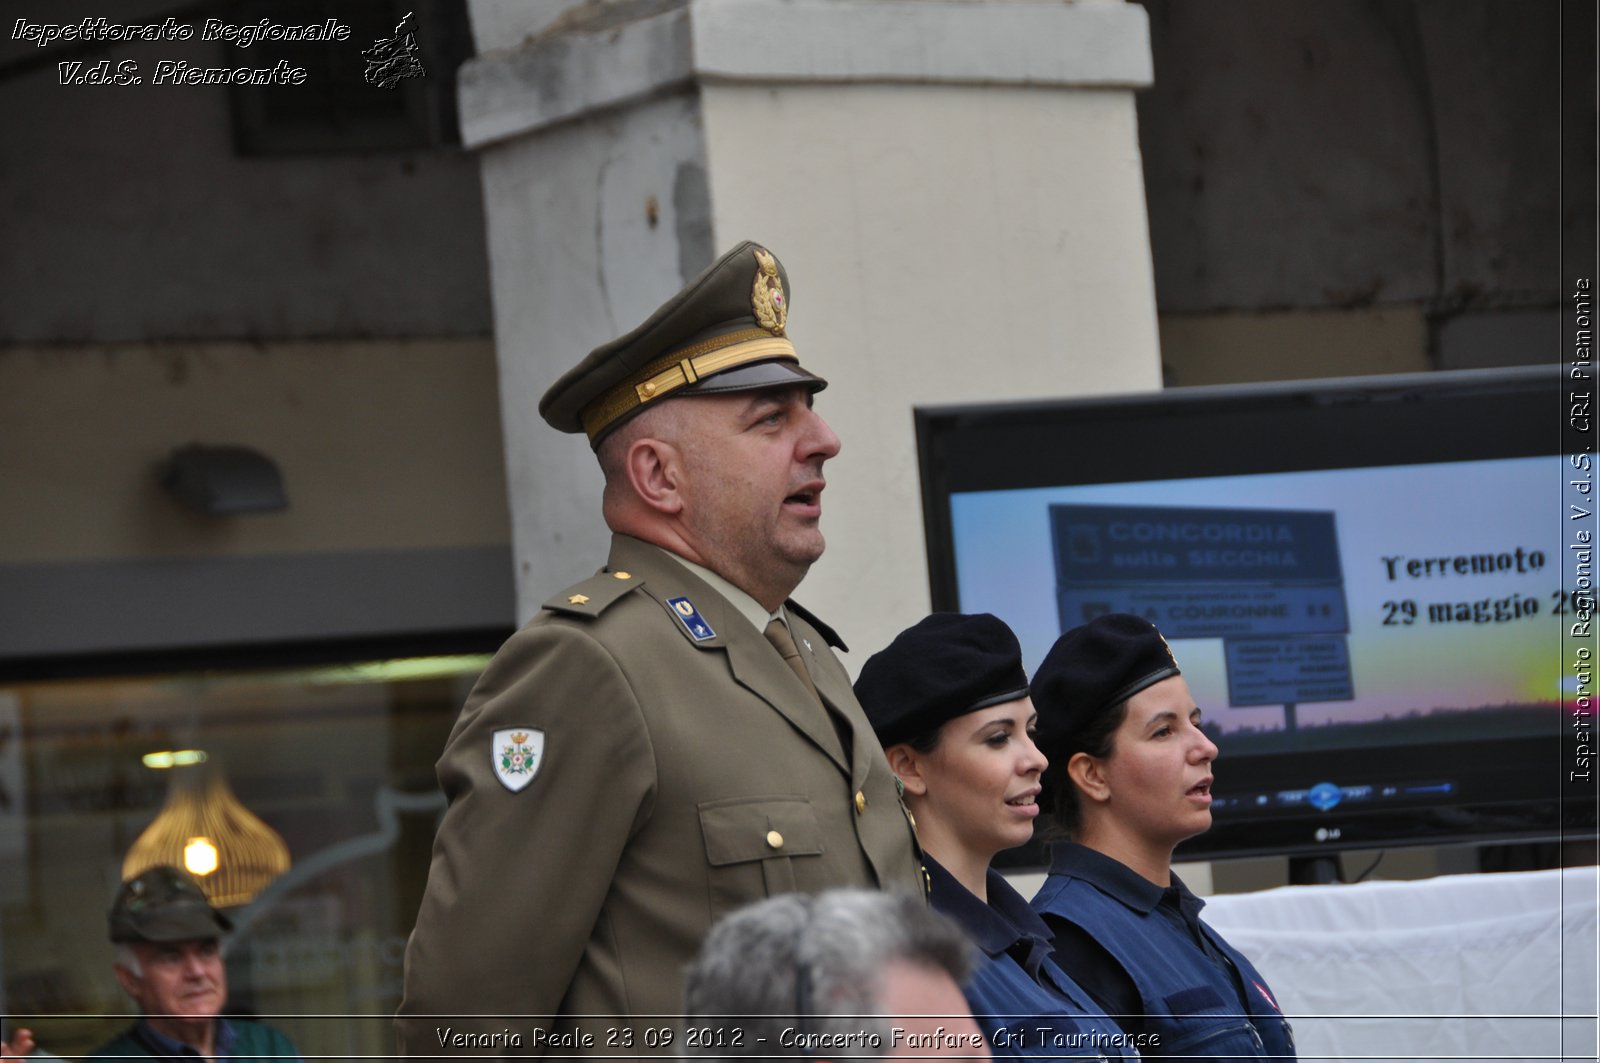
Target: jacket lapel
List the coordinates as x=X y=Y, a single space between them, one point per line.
x=757 y=667
x=753 y=661
x=842 y=703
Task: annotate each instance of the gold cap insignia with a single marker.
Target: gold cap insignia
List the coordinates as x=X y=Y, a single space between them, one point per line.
x=767 y=301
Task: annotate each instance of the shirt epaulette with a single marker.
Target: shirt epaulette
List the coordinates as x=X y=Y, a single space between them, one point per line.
x=591 y=597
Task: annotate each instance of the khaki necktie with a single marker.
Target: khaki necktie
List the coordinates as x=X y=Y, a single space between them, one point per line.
x=778 y=634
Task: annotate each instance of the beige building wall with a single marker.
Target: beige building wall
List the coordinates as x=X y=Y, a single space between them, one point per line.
x=390 y=456
x=390 y=445
x=1238 y=347
x=947 y=244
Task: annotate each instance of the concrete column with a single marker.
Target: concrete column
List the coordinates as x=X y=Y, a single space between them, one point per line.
x=954 y=186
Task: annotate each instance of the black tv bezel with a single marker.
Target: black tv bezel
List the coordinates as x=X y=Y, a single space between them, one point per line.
x=1182 y=433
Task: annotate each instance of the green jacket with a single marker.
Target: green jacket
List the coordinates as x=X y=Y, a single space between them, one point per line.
x=237 y=1040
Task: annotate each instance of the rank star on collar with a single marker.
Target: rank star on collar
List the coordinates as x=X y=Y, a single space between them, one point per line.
x=517 y=754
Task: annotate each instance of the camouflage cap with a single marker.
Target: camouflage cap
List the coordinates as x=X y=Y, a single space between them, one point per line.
x=162 y=903
x=724 y=332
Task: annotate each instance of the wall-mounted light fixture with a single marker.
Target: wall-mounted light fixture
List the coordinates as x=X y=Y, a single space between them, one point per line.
x=219 y=480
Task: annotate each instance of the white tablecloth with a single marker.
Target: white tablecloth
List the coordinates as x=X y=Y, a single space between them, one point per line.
x=1499 y=966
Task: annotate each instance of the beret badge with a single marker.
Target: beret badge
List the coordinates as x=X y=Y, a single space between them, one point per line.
x=767 y=300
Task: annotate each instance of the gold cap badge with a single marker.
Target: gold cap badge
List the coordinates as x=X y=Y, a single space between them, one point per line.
x=767 y=300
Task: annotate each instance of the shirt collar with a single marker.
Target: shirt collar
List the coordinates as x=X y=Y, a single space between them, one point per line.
x=1188 y=902
x=1117 y=879
x=746 y=606
x=162 y=1045
x=996 y=927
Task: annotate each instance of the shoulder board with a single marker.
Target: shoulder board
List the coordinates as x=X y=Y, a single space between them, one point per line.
x=593 y=595
x=822 y=629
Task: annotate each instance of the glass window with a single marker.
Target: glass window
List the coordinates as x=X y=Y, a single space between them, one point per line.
x=336 y=759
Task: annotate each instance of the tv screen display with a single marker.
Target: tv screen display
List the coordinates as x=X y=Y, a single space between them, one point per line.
x=1362 y=582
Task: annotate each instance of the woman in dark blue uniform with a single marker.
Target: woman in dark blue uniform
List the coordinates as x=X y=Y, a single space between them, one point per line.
x=949 y=701
x=1130 y=779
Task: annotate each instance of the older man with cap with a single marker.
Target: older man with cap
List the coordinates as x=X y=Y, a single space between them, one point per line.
x=1131 y=774
x=672 y=737
x=169 y=960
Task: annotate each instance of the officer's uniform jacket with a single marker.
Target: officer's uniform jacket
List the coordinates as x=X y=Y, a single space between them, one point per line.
x=1195 y=1007
x=671 y=768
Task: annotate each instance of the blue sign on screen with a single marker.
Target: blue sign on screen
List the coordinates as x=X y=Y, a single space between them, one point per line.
x=1196 y=611
x=1171 y=544
x=1198 y=572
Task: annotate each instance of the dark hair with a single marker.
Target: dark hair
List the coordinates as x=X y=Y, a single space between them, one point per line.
x=1094 y=739
x=925 y=741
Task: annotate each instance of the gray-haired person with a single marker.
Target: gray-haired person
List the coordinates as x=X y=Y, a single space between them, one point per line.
x=841 y=974
x=168 y=942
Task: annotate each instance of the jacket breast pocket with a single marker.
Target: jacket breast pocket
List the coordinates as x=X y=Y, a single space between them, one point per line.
x=751 y=845
x=1206 y=1026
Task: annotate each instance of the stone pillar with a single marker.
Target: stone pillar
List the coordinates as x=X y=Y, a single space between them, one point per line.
x=954 y=187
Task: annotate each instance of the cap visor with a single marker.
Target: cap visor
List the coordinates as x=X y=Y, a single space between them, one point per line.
x=775 y=374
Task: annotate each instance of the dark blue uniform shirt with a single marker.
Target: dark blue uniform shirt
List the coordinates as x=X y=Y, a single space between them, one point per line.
x=1145 y=956
x=1026 y=1005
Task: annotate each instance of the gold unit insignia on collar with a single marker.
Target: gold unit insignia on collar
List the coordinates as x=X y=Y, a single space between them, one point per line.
x=767 y=301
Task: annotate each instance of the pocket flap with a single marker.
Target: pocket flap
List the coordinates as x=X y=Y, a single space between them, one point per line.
x=740 y=829
x=1196 y=998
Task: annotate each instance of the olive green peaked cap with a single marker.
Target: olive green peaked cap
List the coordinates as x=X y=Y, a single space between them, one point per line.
x=724 y=332
x=162 y=903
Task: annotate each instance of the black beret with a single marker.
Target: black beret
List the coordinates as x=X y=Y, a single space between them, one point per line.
x=946 y=665
x=1093 y=667
x=725 y=331
x=162 y=903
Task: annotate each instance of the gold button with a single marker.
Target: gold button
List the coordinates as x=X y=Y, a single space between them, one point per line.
x=647 y=389
x=621 y=575
x=861 y=802
x=774 y=839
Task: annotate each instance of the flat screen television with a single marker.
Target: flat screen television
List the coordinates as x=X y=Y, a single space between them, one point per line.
x=1362 y=580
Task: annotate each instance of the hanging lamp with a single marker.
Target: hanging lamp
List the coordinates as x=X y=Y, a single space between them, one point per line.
x=205 y=829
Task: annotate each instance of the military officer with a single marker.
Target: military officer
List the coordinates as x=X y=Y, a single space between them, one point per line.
x=672 y=737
